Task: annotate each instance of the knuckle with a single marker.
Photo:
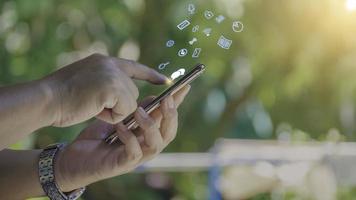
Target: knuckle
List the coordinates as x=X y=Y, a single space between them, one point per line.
x=134 y=157
x=131 y=138
x=154 y=149
x=100 y=60
x=130 y=62
x=105 y=64
x=110 y=80
x=108 y=64
x=96 y=55
x=126 y=108
x=173 y=113
x=106 y=99
x=135 y=92
x=149 y=125
x=170 y=139
x=117 y=118
x=133 y=104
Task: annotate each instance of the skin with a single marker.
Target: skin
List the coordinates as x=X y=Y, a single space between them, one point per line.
x=96 y=86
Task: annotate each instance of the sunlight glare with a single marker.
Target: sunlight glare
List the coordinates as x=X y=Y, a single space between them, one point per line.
x=350 y=5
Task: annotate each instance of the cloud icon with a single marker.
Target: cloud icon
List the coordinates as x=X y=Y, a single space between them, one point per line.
x=177 y=74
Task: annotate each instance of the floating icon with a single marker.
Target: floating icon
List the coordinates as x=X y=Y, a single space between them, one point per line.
x=237 y=26
x=170 y=43
x=224 y=42
x=162 y=66
x=195 y=28
x=184 y=24
x=182 y=52
x=194 y=40
x=219 y=19
x=196 y=52
x=208 y=14
x=178 y=73
x=207 y=31
x=191 y=9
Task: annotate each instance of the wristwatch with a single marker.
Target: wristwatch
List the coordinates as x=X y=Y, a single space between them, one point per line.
x=47 y=178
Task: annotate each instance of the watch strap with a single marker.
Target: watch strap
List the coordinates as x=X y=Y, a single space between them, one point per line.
x=47 y=175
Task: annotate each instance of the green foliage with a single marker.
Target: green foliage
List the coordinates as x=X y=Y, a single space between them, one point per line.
x=292 y=69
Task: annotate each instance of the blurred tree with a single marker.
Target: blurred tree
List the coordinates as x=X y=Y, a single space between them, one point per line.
x=292 y=69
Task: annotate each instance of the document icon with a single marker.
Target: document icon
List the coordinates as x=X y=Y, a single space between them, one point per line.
x=184 y=24
x=224 y=42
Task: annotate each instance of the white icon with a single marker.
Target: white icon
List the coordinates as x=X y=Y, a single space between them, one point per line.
x=177 y=74
x=207 y=31
x=224 y=42
x=219 y=19
x=162 y=66
x=195 y=28
x=170 y=43
x=182 y=52
x=191 y=9
x=237 y=26
x=184 y=24
x=196 y=52
x=194 y=40
x=208 y=14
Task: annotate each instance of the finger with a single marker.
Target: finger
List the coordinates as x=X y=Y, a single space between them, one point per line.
x=106 y=116
x=150 y=131
x=122 y=103
x=178 y=99
x=181 y=94
x=130 y=85
x=138 y=71
x=169 y=124
x=155 y=115
x=132 y=146
x=146 y=101
x=97 y=130
x=123 y=107
x=111 y=117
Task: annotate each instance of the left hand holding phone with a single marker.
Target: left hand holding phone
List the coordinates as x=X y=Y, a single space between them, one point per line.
x=89 y=159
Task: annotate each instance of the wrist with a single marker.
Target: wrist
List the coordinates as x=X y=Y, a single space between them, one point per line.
x=62 y=174
x=50 y=108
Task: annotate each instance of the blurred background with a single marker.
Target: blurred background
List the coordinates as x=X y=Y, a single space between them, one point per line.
x=283 y=96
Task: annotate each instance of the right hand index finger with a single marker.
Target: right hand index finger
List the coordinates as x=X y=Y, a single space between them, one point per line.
x=141 y=72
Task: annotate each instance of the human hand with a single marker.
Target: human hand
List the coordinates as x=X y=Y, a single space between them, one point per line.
x=88 y=159
x=98 y=86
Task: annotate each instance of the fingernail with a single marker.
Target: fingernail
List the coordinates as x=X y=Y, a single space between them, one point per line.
x=170 y=102
x=187 y=89
x=164 y=79
x=142 y=112
x=169 y=81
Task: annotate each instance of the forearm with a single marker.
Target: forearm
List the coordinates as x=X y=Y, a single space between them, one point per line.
x=19 y=174
x=24 y=108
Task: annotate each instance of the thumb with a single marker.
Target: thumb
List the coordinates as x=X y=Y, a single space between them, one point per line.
x=109 y=116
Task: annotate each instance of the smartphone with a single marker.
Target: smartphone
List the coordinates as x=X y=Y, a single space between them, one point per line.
x=130 y=121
